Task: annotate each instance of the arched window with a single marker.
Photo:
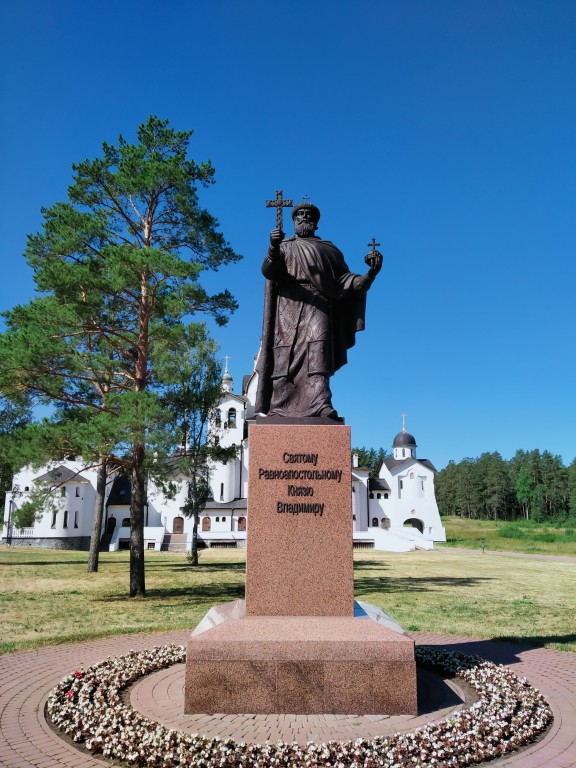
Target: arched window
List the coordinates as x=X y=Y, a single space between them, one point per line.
x=378 y=495
x=223 y=519
x=221 y=491
x=27 y=488
x=241 y=523
x=370 y=495
x=385 y=523
x=76 y=519
x=353 y=517
x=206 y=523
x=65 y=523
x=411 y=475
x=126 y=522
x=403 y=452
x=217 y=519
x=62 y=491
x=232 y=418
x=386 y=495
x=77 y=492
x=374 y=522
x=218 y=419
x=54 y=514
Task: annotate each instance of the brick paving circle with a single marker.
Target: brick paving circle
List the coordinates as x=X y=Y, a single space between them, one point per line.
x=26 y=678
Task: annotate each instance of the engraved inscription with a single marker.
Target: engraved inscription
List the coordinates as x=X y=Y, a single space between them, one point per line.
x=311 y=473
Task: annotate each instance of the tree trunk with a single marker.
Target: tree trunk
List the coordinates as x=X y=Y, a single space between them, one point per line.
x=194 y=550
x=98 y=515
x=137 y=581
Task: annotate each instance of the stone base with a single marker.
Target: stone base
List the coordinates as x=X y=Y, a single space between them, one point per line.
x=300 y=665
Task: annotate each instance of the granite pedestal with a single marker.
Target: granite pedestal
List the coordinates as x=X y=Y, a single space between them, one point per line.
x=296 y=647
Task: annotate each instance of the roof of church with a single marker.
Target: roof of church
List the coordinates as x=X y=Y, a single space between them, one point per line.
x=121 y=491
x=392 y=463
x=404 y=439
x=240 y=398
x=236 y=504
x=61 y=475
x=377 y=484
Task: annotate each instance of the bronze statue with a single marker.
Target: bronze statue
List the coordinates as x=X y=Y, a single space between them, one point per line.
x=313 y=308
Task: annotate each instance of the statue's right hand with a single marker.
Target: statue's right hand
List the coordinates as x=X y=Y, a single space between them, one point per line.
x=276 y=237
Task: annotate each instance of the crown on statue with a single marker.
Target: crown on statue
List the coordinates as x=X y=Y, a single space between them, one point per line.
x=306 y=205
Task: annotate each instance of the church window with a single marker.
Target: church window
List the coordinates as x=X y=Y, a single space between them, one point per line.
x=62 y=491
x=65 y=523
x=221 y=491
x=422 y=484
x=77 y=492
x=217 y=519
x=54 y=513
x=76 y=519
x=401 y=483
x=353 y=489
x=206 y=523
x=218 y=419
x=126 y=522
x=232 y=418
x=374 y=522
x=378 y=495
x=223 y=519
x=411 y=475
x=386 y=495
x=27 y=488
x=370 y=495
x=353 y=517
x=403 y=452
x=216 y=440
x=241 y=523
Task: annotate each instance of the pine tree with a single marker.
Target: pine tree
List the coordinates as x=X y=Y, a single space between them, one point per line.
x=119 y=265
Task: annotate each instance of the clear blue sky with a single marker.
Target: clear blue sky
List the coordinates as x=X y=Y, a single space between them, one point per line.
x=446 y=129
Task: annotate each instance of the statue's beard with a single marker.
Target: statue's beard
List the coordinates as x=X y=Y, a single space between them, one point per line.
x=305 y=228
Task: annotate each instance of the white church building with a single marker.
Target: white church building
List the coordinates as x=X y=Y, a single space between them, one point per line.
x=395 y=511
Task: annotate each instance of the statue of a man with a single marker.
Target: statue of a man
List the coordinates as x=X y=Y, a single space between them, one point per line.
x=313 y=307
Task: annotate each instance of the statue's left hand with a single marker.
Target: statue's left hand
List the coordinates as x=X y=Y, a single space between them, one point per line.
x=374 y=261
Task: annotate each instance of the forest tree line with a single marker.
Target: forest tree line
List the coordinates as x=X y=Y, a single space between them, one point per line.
x=533 y=485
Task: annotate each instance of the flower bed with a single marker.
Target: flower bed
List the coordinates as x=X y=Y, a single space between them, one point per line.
x=510 y=713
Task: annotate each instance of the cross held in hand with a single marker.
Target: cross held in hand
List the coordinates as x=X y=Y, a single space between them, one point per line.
x=373 y=244
x=279 y=204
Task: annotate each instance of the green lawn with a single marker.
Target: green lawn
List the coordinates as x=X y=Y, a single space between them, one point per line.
x=519 y=536
x=47 y=597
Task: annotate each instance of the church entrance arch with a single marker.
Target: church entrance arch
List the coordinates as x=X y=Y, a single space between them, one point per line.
x=413 y=522
x=206 y=523
x=178 y=525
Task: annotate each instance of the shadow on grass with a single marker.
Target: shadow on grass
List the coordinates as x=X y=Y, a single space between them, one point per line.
x=200 y=593
x=372 y=565
x=35 y=563
x=385 y=584
x=202 y=568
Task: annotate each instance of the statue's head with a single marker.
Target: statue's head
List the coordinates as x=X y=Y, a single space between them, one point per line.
x=306 y=217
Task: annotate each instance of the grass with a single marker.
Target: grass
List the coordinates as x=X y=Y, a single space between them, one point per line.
x=47 y=597
x=518 y=536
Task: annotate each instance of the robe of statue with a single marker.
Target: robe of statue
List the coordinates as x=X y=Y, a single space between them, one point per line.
x=313 y=308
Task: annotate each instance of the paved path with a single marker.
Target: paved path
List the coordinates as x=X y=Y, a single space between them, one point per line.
x=26 y=740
